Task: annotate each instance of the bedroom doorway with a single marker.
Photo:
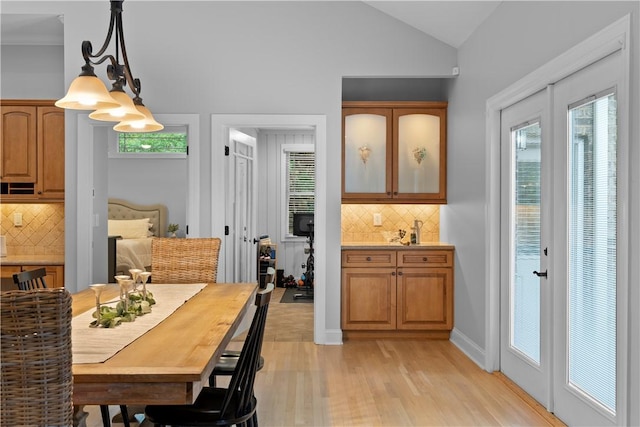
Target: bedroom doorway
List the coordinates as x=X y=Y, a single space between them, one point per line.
x=91 y=209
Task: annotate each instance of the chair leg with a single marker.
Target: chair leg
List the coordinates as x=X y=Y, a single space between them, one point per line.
x=104 y=411
x=125 y=415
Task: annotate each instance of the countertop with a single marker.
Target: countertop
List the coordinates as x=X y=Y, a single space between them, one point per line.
x=395 y=246
x=32 y=260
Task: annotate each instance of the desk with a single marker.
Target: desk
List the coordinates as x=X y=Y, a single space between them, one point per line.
x=172 y=362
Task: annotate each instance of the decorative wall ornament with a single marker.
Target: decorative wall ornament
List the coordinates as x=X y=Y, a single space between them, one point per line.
x=365 y=152
x=419 y=154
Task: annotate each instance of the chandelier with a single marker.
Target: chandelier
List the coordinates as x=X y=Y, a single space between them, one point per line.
x=87 y=92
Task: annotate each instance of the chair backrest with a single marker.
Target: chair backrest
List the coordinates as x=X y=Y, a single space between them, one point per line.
x=241 y=383
x=35 y=368
x=32 y=279
x=176 y=260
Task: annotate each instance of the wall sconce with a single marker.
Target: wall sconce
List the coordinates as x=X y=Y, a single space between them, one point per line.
x=419 y=154
x=87 y=92
x=365 y=152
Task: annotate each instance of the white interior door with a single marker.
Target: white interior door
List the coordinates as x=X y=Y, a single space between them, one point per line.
x=525 y=296
x=561 y=247
x=242 y=180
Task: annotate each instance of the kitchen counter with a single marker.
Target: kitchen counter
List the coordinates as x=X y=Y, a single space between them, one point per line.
x=32 y=260
x=395 y=246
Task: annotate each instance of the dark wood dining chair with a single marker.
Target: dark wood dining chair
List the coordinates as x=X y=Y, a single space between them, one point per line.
x=191 y=260
x=36 y=359
x=224 y=406
x=228 y=362
x=31 y=279
x=34 y=279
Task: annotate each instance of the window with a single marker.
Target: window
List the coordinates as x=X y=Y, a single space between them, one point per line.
x=299 y=181
x=171 y=142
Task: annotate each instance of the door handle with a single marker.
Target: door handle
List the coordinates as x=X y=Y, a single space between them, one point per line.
x=540 y=274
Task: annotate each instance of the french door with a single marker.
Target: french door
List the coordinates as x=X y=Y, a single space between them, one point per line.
x=524 y=256
x=559 y=245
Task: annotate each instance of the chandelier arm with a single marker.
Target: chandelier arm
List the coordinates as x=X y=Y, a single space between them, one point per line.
x=87 y=48
x=134 y=83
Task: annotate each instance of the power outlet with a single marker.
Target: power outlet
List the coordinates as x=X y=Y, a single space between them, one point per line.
x=377 y=219
x=17 y=219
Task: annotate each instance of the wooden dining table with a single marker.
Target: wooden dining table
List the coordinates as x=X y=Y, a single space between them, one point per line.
x=170 y=363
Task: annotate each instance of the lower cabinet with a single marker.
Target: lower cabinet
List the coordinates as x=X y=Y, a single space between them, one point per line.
x=54 y=277
x=397 y=293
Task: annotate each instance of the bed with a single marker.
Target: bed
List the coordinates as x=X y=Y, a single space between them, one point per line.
x=133 y=226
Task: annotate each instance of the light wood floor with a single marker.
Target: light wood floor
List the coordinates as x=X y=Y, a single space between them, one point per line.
x=375 y=383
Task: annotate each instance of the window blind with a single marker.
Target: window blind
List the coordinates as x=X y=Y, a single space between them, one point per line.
x=592 y=249
x=300 y=184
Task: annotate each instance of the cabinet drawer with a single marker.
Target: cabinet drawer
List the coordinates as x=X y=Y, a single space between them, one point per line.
x=425 y=258
x=368 y=258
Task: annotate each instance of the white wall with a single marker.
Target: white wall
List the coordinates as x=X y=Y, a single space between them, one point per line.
x=32 y=72
x=150 y=181
x=517 y=39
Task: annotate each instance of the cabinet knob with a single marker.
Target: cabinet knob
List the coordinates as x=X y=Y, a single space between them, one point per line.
x=39 y=192
x=393 y=273
x=399 y=273
x=424 y=259
x=368 y=258
x=395 y=193
x=388 y=193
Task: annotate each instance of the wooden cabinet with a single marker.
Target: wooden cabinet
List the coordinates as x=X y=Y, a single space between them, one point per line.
x=32 y=151
x=394 y=152
x=397 y=293
x=54 y=277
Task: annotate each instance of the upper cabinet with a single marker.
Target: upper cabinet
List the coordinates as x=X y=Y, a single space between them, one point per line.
x=32 y=151
x=394 y=152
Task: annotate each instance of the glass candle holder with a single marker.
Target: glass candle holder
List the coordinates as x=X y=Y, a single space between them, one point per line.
x=135 y=275
x=97 y=289
x=144 y=278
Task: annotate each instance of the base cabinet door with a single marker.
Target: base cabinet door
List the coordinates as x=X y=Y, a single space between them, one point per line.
x=369 y=298
x=424 y=298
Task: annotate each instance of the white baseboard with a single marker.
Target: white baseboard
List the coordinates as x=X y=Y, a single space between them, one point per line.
x=331 y=337
x=468 y=347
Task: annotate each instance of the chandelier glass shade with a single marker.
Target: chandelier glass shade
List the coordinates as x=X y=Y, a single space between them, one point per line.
x=87 y=92
x=148 y=124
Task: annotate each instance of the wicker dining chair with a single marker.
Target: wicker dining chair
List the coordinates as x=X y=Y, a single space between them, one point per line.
x=34 y=279
x=35 y=374
x=193 y=260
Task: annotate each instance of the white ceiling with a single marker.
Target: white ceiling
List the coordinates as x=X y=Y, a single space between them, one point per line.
x=451 y=22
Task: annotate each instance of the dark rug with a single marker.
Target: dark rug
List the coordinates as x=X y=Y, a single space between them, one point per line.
x=289 y=294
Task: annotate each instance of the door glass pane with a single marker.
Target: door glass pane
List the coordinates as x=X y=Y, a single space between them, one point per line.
x=418 y=153
x=525 y=286
x=592 y=250
x=365 y=153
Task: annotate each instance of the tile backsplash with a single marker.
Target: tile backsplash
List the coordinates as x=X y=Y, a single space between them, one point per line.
x=357 y=222
x=42 y=230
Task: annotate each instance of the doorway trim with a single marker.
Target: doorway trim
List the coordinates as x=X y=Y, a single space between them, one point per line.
x=612 y=38
x=220 y=125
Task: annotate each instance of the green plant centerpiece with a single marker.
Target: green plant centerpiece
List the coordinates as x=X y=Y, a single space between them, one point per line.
x=110 y=317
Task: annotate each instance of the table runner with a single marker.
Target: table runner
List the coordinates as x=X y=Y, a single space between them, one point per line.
x=95 y=345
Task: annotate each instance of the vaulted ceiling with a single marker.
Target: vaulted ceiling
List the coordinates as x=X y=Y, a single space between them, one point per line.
x=451 y=22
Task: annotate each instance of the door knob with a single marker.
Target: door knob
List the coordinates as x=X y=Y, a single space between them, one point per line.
x=540 y=274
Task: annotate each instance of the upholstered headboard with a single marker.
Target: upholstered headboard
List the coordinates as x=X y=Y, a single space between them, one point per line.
x=157 y=214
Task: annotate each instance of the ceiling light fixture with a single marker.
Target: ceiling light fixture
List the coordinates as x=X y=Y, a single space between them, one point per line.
x=87 y=92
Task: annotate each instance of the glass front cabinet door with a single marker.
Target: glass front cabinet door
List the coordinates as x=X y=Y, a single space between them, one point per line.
x=394 y=152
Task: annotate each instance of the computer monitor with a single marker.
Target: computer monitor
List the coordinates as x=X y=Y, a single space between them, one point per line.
x=302 y=223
